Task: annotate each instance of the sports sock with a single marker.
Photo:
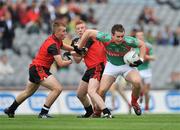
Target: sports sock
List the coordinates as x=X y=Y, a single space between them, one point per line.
x=14 y=106
x=141 y=94
x=44 y=110
x=133 y=99
x=89 y=111
x=106 y=111
x=146 y=107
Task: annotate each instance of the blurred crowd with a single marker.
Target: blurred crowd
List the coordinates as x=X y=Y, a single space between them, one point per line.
x=164 y=37
x=35 y=16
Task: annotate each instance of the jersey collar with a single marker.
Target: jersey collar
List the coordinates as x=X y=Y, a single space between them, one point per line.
x=55 y=38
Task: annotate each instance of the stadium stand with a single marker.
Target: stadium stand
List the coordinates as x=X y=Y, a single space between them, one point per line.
x=125 y=12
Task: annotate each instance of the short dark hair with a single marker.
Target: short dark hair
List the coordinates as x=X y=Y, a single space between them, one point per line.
x=118 y=28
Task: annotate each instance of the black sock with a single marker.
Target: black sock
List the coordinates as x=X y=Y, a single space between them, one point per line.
x=14 y=106
x=89 y=111
x=106 y=111
x=44 y=110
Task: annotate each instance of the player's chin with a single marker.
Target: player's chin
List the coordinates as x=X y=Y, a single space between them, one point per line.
x=63 y=38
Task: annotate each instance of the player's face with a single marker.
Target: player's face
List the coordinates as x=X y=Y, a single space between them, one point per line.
x=80 y=29
x=140 y=35
x=61 y=32
x=118 y=37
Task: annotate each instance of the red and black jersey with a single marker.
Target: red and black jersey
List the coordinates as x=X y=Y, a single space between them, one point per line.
x=45 y=55
x=95 y=55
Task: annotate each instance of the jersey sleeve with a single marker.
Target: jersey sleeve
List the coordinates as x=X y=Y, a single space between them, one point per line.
x=150 y=48
x=131 y=41
x=103 y=37
x=89 y=43
x=52 y=49
x=151 y=51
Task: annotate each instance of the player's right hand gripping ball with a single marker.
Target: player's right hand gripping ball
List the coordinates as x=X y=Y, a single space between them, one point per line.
x=137 y=63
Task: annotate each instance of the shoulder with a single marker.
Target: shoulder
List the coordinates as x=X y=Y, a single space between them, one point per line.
x=49 y=41
x=104 y=37
x=130 y=39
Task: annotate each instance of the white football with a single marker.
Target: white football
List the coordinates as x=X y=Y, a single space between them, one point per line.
x=130 y=57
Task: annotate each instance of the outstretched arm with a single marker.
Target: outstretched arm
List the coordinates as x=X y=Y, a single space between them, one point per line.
x=90 y=33
x=68 y=47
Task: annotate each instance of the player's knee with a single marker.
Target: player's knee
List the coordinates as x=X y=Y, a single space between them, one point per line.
x=80 y=96
x=91 y=92
x=101 y=92
x=58 y=89
x=27 y=94
x=136 y=82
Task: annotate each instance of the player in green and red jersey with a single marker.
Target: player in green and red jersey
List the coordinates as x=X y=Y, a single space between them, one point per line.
x=117 y=45
x=145 y=70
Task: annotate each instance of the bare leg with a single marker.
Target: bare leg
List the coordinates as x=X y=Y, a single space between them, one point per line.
x=146 y=94
x=29 y=90
x=92 y=91
x=82 y=96
x=55 y=87
x=134 y=78
x=113 y=94
x=82 y=93
x=105 y=85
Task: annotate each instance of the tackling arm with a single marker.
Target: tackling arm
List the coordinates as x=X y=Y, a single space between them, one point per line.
x=68 y=47
x=62 y=62
x=87 y=34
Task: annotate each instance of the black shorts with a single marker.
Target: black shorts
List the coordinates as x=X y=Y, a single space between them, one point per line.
x=95 y=73
x=38 y=73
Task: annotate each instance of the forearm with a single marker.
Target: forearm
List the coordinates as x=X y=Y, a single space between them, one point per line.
x=64 y=63
x=149 y=58
x=77 y=58
x=60 y=62
x=142 y=48
x=87 y=34
x=68 y=47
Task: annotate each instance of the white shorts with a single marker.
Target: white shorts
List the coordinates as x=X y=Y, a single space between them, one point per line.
x=115 y=70
x=146 y=75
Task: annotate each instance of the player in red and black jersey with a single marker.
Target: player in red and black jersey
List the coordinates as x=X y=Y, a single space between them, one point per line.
x=39 y=71
x=94 y=59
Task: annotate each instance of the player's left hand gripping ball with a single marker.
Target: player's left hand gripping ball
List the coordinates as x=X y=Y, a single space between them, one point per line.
x=137 y=63
x=67 y=55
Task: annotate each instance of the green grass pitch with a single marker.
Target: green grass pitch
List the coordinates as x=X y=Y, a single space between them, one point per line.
x=70 y=122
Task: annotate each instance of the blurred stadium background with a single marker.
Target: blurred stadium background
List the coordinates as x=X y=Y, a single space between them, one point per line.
x=24 y=24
